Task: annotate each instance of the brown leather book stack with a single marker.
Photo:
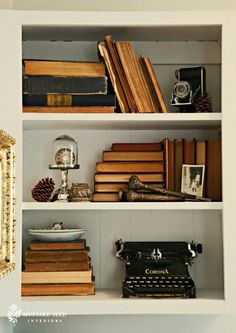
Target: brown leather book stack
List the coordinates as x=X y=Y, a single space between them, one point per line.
x=146 y=160
x=66 y=87
x=57 y=268
x=158 y=164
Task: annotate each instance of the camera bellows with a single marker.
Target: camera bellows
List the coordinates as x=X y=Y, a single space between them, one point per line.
x=203 y=103
x=42 y=191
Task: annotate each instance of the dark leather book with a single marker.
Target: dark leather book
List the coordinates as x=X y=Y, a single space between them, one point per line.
x=76 y=289
x=69 y=100
x=40 y=85
x=124 y=177
x=133 y=156
x=135 y=167
x=201 y=152
x=54 y=256
x=189 y=151
x=214 y=170
x=171 y=166
x=178 y=147
x=106 y=197
x=57 y=266
x=137 y=146
x=79 y=244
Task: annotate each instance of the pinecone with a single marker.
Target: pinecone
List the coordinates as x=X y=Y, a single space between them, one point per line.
x=203 y=103
x=42 y=192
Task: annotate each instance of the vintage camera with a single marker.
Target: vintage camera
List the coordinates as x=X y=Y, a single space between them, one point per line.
x=191 y=82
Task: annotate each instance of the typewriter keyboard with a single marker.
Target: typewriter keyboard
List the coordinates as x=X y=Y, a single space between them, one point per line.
x=158 y=286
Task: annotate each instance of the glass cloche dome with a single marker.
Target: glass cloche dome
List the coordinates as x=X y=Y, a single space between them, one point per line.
x=65 y=151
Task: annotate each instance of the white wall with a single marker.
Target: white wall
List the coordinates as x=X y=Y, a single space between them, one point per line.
x=121 y=5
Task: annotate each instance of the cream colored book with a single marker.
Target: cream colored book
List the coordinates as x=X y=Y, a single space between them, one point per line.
x=57 y=277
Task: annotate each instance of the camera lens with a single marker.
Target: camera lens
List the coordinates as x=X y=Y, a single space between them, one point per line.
x=182 y=89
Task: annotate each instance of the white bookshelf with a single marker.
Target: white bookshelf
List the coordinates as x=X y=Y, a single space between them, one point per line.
x=110 y=302
x=156 y=206
x=122 y=121
x=212 y=223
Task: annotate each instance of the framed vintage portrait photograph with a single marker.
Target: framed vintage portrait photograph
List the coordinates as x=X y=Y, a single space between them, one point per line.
x=7 y=203
x=193 y=179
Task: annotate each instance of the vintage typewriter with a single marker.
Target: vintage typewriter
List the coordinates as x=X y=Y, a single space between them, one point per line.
x=158 y=269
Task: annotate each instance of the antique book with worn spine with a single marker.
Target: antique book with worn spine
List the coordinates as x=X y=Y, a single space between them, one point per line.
x=68 y=109
x=178 y=162
x=56 y=256
x=73 y=289
x=81 y=85
x=135 y=167
x=137 y=146
x=57 y=266
x=69 y=100
x=214 y=170
x=63 y=68
x=133 y=156
x=106 y=197
x=57 y=277
x=189 y=151
x=79 y=244
x=124 y=177
x=114 y=77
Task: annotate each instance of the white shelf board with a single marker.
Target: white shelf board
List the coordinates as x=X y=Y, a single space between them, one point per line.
x=122 y=206
x=121 y=121
x=111 y=302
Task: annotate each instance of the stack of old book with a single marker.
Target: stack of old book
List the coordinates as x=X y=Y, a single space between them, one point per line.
x=146 y=160
x=66 y=87
x=158 y=164
x=57 y=268
x=133 y=78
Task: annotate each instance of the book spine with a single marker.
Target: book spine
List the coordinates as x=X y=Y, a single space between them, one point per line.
x=106 y=197
x=68 y=109
x=178 y=147
x=124 y=177
x=41 y=246
x=69 y=100
x=132 y=156
x=56 y=266
x=75 y=289
x=214 y=170
x=62 y=68
x=40 y=85
x=137 y=146
x=52 y=256
x=57 y=277
x=130 y=167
